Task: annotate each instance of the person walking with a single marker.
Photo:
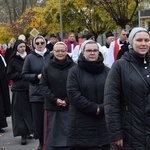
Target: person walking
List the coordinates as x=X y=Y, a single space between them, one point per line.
x=127 y=95
x=71 y=42
x=104 y=49
x=31 y=72
x=76 y=51
x=86 y=128
x=21 y=116
x=53 y=80
x=51 y=42
x=115 y=47
x=4 y=96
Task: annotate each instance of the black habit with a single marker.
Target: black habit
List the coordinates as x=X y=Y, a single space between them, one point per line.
x=4 y=95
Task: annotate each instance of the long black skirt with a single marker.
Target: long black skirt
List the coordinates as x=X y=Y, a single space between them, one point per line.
x=38 y=119
x=3 y=122
x=21 y=114
x=55 y=129
x=4 y=98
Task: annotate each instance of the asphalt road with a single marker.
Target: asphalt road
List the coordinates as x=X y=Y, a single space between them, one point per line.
x=8 y=142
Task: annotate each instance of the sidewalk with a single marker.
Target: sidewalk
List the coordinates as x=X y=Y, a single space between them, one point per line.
x=8 y=142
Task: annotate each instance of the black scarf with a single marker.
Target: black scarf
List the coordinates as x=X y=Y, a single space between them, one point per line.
x=93 y=67
x=61 y=64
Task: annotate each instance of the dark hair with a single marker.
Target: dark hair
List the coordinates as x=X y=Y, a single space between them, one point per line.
x=89 y=35
x=52 y=35
x=109 y=33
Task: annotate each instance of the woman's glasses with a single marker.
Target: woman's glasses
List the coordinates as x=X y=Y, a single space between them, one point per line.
x=60 y=51
x=38 y=43
x=91 y=51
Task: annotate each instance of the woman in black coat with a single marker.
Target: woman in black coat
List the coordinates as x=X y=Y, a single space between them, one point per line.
x=85 y=86
x=31 y=71
x=53 y=80
x=21 y=109
x=127 y=95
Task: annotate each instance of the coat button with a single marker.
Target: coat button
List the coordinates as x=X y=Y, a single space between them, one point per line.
x=147 y=76
x=145 y=67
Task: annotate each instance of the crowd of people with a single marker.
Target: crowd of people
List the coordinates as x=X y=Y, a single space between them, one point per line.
x=79 y=96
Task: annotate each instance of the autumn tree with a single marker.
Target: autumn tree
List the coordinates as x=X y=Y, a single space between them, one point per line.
x=5 y=33
x=11 y=10
x=21 y=26
x=123 y=12
x=77 y=16
x=95 y=20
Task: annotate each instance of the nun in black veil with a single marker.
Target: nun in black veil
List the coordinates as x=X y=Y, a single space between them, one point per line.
x=21 y=109
x=4 y=96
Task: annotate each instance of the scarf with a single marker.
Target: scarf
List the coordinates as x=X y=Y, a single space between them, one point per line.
x=61 y=64
x=22 y=55
x=41 y=53
x=93 y=67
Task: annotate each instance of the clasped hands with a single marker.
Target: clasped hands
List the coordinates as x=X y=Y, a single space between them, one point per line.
x=60 y=102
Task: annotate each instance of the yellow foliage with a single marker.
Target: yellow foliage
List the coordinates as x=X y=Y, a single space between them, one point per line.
x=5 y=33
x=77 y=15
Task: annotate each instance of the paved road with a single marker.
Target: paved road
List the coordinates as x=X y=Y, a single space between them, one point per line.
x=8 y=142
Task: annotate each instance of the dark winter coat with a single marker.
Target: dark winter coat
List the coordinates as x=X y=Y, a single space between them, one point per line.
x=14 y=72
x=127 y=102
x=32 y=67
x=85 y=88
x=54 y=78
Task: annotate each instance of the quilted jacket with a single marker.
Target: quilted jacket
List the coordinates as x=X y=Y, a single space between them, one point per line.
x=127 y=101
x=86 y=93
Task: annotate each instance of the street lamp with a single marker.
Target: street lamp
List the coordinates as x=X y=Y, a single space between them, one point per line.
x=61 y=26
x=139 y=13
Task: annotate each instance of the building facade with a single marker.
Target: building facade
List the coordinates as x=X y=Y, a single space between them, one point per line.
x=144 y=16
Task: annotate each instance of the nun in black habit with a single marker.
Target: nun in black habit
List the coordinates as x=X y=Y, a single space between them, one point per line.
x=4 y=96
x=21 y=109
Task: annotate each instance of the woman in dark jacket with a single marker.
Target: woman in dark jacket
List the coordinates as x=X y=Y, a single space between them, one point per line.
x=85 y=86
x=21 y=116
x=127 y=95
x=32 y=72
x=54 y=78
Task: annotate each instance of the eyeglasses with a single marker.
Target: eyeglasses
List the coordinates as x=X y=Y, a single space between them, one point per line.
x=58 y=51
x=38 y=43
x=91 y=51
